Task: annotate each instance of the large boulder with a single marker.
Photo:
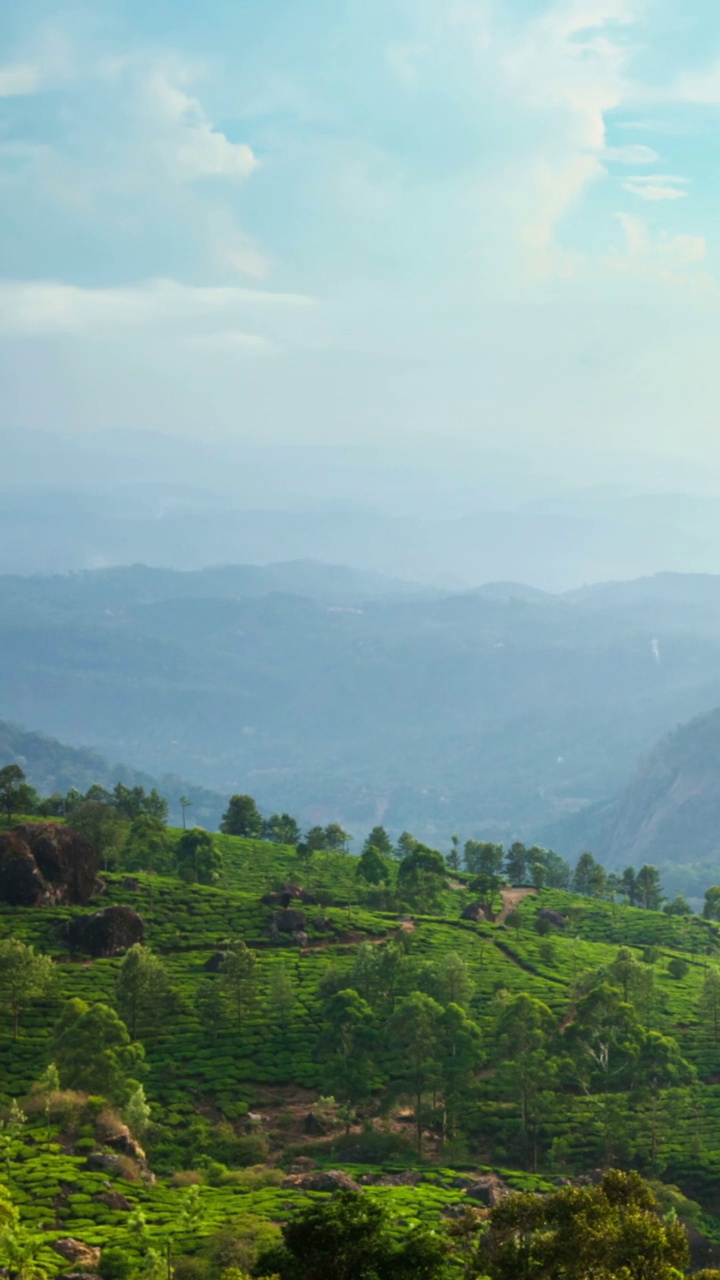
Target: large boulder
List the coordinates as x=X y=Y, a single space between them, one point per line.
x=289 y=920
x=476 y=911
x=85 y=1257
x=43 y=863
x=554 y=918
x=489 y=1191
x=105 y=933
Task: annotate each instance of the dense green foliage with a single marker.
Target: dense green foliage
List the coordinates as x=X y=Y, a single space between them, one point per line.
x=366 y=1026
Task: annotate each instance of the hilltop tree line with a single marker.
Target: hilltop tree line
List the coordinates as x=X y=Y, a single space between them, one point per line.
x=127 y=826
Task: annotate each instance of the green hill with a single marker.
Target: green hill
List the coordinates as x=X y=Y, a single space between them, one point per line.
x=535 y=1107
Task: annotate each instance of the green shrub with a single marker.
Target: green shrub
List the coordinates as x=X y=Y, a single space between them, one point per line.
x=116 y=1264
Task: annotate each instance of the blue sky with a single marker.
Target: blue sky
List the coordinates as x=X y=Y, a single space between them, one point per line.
x=337 y=220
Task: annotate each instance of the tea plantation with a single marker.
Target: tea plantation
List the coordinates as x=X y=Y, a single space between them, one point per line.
x=583 y=1033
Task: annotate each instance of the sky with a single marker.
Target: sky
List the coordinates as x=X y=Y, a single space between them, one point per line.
x=340 y=220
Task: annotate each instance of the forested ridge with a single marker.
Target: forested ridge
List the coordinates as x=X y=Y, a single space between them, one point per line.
x=222 y=1052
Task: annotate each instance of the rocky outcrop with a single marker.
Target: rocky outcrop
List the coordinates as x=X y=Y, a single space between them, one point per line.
x=554 y=918
x=83 y=1256
x=98 y=1162
x=323 y=1180
x=45 y=864
x=488 y=1191
x=115 y=1200
x=289 y=920
x=476 y=911
x=105 y=933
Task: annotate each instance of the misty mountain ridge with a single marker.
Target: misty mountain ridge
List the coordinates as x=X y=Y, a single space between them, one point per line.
x=667 y=815
x=53 y=767
x=499 y=711
x=435 y=511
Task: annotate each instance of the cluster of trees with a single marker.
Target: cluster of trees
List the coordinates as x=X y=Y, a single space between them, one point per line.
x=243 y=818
x=395 y=1027
x=612 y=1231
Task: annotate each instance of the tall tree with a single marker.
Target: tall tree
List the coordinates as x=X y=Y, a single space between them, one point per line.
x=242 y=818
x=281 y=828
x=405 y=845
x=628 y=886
x=453 y=860
x=460 y=1056
x=185 y=804
x=522 y=1036
x=315 y=840
x=373 y=866
x=94 y=1053
x=101 y=825
x=131 y=802
x=648 y=888
x=197 y=859
x=711 y=909
x=379 y=839
x=516 y=863
x=146 y=845
x=24 y=976
x=346 y=1047
x=589 y=877
x=422 y=877
x=412 y=1036
x=16 y=796
x=482 y=858
x=210 y=1008
x=142 y=990
x=239 y=979
x=336 y=838
x=453 y=984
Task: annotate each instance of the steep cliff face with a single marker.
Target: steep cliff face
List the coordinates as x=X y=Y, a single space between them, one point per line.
x=670 y=812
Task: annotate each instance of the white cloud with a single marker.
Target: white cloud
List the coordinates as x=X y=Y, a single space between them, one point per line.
x=661 y=259
x=186 y=137
x=657 y=188
x=569 y=69
x=38 y=307
x=18 y=79
x=634 y=153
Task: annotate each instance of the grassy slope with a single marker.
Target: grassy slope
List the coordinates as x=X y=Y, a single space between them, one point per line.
x=187 y=923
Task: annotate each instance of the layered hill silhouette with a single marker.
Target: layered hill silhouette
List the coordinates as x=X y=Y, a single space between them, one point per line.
x=341 y=696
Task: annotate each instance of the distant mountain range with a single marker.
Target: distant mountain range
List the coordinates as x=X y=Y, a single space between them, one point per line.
x=435 y=511
x=337 y=695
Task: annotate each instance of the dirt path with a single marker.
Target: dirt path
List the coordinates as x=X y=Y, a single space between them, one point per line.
x=511 y=898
